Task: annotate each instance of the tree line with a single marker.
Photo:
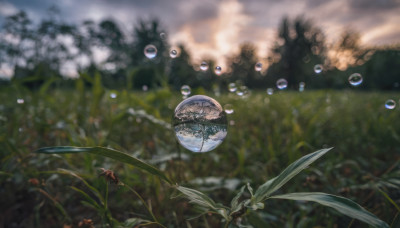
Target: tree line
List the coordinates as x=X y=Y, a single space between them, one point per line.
x=53 y=49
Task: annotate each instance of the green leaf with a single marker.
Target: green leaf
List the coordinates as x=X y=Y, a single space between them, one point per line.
x=235 y=200
x=110 y=153
x=203 y=200
x=341 y=204
x=72 y=173
x=87 y=197
x=292 y=170
x=389 y=199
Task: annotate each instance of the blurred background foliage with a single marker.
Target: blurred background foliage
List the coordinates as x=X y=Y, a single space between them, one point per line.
x=32 y=53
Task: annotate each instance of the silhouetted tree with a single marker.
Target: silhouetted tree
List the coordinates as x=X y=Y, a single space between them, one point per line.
x=299 y=47
x=242 y=66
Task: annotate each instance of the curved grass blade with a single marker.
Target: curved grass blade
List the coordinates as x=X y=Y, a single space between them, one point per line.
x=203 y=200
x=341 y=204
x=106 y=152
x=292 y=170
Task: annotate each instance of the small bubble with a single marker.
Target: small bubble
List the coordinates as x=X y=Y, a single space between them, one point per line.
x=150 y=51
x=302 y=85
x=173 y=54
x=390 y=104
x=258 y=67
x=228 y=108
x=113 y=95
x=20 y=101
x=242 y=91
x=232 y=87
x=145 y=88
x=281 y=83
x=218 y=70
x=318 y=68
x=231 y=122
x=355 y=79
x=270 y=91
x=185 y=90
x=163 y=36
x=204 y=66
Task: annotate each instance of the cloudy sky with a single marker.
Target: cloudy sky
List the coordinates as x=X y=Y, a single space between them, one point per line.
x=215 y=28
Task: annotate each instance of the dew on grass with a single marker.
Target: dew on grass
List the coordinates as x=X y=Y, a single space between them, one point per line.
x=390 y=104
x=318 y=68
x=258 y=67
x=218 y=70
x=200 y=123
x=185 y=90
x=232 y=87
x=204 y=66
x=20 y=101
x=150 y=51
x=173 y=54
x=281 y=83
x=228 y=108
x=355 y=79
x=270 y=91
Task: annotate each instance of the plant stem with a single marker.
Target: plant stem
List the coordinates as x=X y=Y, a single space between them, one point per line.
x=144 y=203
x=227 y=224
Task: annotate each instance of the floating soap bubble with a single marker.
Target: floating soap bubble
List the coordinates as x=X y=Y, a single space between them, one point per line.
x=232 y=87
x=228 y=108
x=258 y=67
x=150 y=51
x=163 y=36
x=173 y=54
x=318 y=68
x=145 y=88
x=200 y=123
x=218 y=70
x=113 y=95
x=390 y=104
x=185 y=90
x=355 y=79
x=20 y=101
x=281 y=83
x=301 y=86
x=242 y=91
x=204 y=66
x=270 y=91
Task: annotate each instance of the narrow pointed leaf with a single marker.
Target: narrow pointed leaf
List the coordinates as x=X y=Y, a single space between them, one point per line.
x=202 y=200
x=292 y=170
x=341 y=204
x=235 y=200
x=110 y=153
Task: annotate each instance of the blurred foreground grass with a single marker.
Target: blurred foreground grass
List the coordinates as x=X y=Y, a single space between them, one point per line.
x=265 y=134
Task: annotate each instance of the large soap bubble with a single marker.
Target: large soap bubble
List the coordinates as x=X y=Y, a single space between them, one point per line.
x=200 y=123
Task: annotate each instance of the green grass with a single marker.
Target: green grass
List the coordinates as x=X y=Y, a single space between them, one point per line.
x=269 y=133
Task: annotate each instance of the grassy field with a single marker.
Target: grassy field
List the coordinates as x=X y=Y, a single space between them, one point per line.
x=265 y=134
